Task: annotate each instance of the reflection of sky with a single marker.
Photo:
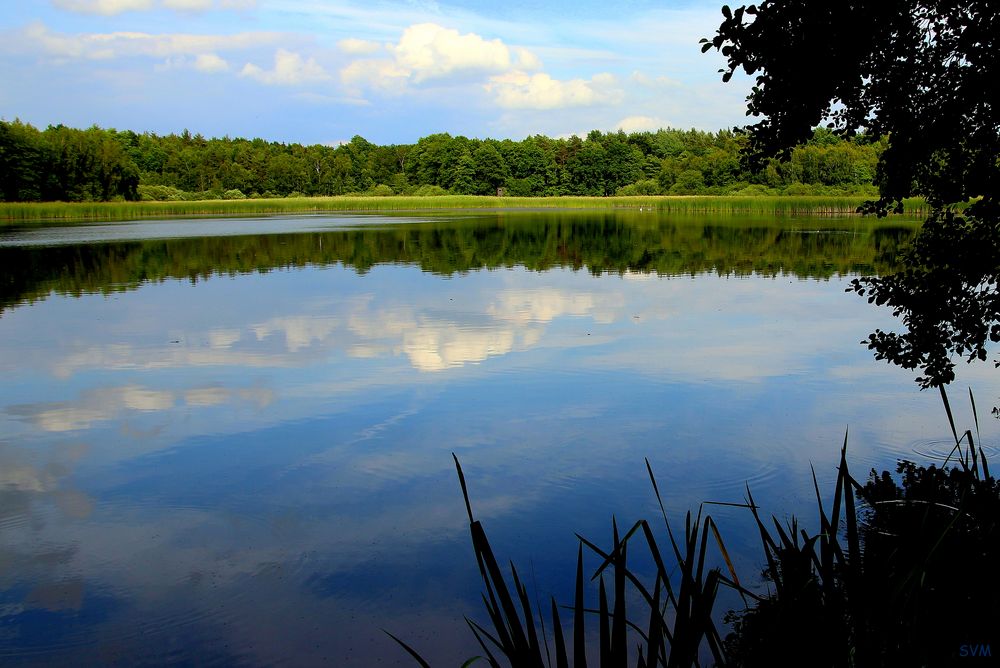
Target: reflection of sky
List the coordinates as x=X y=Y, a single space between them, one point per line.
x=264 y=460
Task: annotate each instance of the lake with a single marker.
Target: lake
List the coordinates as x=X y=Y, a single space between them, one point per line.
x=229 y=441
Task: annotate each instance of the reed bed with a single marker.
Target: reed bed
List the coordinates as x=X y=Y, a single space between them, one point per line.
x=13 y=213
x=897 y=574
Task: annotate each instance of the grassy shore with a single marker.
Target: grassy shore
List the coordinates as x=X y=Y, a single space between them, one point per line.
x=14 y=213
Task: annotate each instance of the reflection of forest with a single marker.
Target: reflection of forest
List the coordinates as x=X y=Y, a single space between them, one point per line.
x=810 y=248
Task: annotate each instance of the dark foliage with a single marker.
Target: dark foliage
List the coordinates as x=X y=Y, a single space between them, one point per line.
x=923 y=74
x=95 y=164
x=913 y=586
x=933 y=537
x=947 y=295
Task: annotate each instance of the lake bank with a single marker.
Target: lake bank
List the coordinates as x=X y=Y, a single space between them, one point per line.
x=15 y=213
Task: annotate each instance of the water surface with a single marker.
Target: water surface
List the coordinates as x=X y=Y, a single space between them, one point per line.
x=230 y=441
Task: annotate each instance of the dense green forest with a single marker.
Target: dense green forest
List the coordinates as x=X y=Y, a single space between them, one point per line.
x=66 y=164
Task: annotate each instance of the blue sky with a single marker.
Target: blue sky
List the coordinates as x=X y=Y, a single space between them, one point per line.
x=321 y=72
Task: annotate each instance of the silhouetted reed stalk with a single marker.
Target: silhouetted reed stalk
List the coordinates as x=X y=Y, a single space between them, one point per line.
x=873 y=592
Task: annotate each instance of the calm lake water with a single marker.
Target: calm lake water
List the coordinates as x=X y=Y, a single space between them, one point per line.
x=229 y=441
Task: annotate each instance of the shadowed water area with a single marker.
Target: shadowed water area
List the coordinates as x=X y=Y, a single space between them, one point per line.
x=228 y=441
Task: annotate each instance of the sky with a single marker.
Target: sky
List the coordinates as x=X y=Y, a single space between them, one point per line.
x=391 y=71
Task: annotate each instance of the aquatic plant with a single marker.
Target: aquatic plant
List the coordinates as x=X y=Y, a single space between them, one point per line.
x=897 y=574
x=680 y=608
x=39 y=212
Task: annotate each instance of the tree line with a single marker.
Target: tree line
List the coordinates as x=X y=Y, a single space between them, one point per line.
x=67 y=164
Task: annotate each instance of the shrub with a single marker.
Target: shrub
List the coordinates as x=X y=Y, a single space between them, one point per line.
x=642 y=187
x=430 y=191
x=381 y=190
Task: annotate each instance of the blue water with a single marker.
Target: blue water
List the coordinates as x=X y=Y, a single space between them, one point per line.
x=255 y=468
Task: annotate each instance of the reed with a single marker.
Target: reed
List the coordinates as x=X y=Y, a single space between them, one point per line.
x=12 y=213
x=872 y=587
x=680 y=608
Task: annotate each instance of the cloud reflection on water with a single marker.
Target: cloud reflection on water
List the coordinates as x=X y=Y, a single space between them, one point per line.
x=302 y=428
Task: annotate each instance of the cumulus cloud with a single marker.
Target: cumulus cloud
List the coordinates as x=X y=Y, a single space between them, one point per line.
x=358 y=47
x=431 y=51
x=290 y=69
x=641 y=124
x=520 y=90
x=428 y=52
x=211 y=63
x=383 y=75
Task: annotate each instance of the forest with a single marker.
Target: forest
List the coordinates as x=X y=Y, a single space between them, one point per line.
x=72 y=165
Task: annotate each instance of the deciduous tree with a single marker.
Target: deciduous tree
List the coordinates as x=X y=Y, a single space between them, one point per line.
x=924 y=74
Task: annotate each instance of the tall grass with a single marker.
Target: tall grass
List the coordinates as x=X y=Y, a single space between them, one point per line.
x=680 y=608
x=871 y=587
x=30 y=212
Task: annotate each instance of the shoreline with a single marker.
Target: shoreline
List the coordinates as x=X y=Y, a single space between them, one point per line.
x=19 y=213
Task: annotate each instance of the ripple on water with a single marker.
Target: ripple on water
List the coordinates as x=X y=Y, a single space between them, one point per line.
x=922 y=451
x=729 y=484
x=184 y=571
x=942 y=449
x=681 y=485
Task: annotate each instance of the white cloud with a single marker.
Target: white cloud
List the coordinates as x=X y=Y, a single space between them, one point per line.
x=97 y=46
x=112 y=7
x=188 y=5
x=290 y=69
x=526 y=60
x=383 y=75
x=428 y=52
x=520 y=90
x=641 y=124
x=431 y=51
x=358 y=47
x=211 y=63
x=103 y=7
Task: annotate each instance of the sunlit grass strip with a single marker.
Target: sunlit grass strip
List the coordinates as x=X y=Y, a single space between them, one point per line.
x=28 y=212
